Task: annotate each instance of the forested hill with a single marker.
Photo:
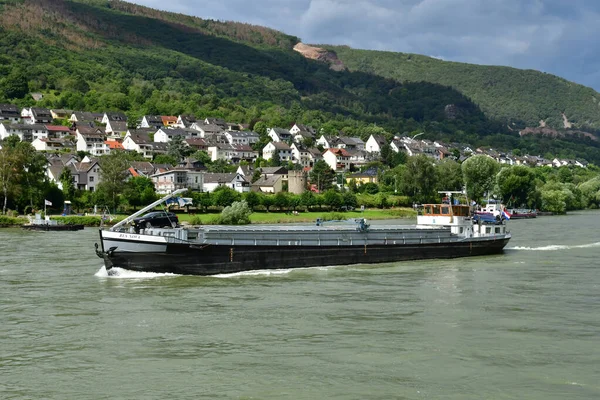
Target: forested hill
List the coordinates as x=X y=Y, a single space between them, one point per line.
x=99 y=55
x=510 y=94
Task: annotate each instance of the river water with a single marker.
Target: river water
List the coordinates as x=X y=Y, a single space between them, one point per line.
x=521 y=325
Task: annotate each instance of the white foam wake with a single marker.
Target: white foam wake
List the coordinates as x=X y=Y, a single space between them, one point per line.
x=120 y=273
x=555 y=247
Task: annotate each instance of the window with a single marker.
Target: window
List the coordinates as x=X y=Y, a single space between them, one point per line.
x=91 y=179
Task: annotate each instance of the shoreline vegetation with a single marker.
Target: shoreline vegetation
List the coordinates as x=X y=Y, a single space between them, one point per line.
x=209 y=218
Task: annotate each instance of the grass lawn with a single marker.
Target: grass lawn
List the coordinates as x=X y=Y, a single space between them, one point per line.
x=262 y=217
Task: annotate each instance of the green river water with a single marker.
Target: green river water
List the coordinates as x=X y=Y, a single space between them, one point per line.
x=521 y=325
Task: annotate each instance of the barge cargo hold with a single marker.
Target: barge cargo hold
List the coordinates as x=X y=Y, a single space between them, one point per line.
x=442 y=231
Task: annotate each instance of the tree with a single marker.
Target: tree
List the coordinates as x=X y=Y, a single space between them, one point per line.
x=177 y=148
x=267 y=201
x=113 y=174
x=479 y=175
x=332 y=199
x=164 y=159
x=349 y=200
x=68 y=185
x=34 y=182
x=449 y=175
x=322 y=175
x=252 y=199
x=307 y=199
x=224 y=196
x=139 y=191
x=11 y=170
x=280 y=201
x=15 y=85
x=419 y=178
x=202 y=156
x=516 y=184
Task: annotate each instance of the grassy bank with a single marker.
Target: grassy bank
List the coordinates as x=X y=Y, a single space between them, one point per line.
x=261 y=217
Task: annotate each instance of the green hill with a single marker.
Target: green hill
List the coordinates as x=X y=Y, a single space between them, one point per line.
x=515 y=95
x=100 y=55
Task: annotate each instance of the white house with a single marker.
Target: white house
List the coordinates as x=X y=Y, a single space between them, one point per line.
x=165 y=135
x=302 y=128
x=220 y=151
x=305 y=156
x=36 y=115
x=284 y=151
x=139 y=140
x=279 y=134
x=207 y=130
x=25 y=132
x=113 y=117
x=168 y=181
x=93 y=143
x=242 y=137
x=234 y=181
x=151 y=121
x=375 y=143
x=52 y=144
x=337 y=159
x=327 y=141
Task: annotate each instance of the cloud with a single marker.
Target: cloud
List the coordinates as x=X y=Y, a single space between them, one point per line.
x=550 y=35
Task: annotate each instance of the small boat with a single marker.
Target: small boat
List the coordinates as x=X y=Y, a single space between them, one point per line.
x=47 y=224
x=442 y=231
x=522 y=213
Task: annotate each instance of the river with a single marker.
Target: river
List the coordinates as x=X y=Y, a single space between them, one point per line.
x=521 y=325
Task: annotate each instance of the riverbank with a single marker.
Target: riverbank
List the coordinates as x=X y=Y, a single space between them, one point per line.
x=258 y=217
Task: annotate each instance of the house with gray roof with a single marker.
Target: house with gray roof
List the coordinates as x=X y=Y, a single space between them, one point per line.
x=9 y=113
x=36 y=115
x=234 y=181
x=279 y=135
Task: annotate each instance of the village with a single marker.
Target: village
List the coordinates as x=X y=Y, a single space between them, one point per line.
x=97 y=134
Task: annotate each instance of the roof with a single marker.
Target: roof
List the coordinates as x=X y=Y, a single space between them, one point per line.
x=133 y=172
x=280 y=146
x=281 y=131
x=338 y=152
x=196 y=142
x=211 y=128
x=57 y=128
x=220 y=177
x=118 y=126
x=139 y=136
x=116 y=116
x=168 y=119
x=241 y=134
x=273 y=170
x=9 y=109
x=114 y=145
x=267 y=180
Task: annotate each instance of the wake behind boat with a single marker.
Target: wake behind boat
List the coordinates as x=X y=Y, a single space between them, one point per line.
x=442 y=231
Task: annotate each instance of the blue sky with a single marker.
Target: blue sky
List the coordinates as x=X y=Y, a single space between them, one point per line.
x=554 y=36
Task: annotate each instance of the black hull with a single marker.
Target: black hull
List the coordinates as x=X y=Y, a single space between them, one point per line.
x=42 y=227
x=187 y=259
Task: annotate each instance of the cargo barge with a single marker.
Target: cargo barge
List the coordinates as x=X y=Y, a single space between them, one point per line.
x=442 y=231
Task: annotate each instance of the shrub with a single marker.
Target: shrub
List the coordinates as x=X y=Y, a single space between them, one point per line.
x=236 y=214
x=196 y=220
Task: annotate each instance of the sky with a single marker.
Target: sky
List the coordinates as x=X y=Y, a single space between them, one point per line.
x=554 y=36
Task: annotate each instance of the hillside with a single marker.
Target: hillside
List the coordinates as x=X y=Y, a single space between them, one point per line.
x=510 y=94
x=100 y=55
